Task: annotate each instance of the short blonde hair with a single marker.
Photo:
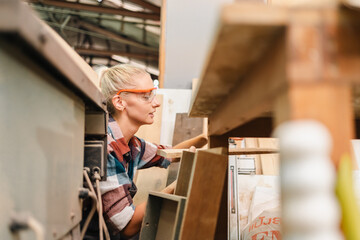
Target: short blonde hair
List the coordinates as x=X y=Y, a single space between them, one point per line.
x=116 y=78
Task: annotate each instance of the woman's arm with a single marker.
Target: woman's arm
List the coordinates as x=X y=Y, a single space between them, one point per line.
x=198 y=142
x=134 y=225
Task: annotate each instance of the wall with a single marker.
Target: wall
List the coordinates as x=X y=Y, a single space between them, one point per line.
x=174 y=101
x=188 y=31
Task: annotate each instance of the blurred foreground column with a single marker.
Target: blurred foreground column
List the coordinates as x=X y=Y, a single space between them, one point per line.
x=309 y=207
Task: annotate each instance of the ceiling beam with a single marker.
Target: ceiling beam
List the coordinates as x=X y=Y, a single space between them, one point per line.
x=115 y=36
x=109 y=53
x=98 y=9
x=90 y=15
x=146 y=5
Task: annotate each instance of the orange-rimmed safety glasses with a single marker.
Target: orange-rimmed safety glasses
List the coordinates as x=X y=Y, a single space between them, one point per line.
x=147 y=95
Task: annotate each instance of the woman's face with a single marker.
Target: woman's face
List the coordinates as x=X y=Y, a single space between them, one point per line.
x=139 y=107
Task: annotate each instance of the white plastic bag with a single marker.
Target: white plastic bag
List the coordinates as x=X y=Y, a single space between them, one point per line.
x=264 y=227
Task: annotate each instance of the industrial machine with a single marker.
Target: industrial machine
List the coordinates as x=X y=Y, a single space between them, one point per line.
x=52 y=115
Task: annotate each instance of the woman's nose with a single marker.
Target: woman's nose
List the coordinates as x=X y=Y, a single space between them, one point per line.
x=155 y=102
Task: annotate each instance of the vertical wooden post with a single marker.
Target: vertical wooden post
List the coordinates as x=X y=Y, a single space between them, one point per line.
x=259 y=127
x=327 y=103
x=162 y=44
x=204 y=202
x=221 y=226
x=315 y=89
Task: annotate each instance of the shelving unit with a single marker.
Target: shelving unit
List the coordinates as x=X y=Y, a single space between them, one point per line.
x=192 y=212
x=286 y=63
x=163 y=216
x=269 y=64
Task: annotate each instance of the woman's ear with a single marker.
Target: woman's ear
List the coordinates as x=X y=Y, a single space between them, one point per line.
x=119 y=103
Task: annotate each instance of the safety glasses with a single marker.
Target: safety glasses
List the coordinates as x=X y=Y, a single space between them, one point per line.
x=147 y=95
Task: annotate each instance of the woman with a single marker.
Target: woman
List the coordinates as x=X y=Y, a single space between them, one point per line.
x=131 y=103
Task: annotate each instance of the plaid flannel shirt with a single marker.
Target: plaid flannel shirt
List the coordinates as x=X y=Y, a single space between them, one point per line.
x=122 y=162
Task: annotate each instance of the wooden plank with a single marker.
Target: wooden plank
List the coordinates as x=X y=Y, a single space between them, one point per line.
x=170 y=153
x=162 y=44
x=270 y=163
x=246 y=32
x=152 y=132
x=147 y=180
x=186 y=128
x=252 y=151
x=221 y=231
x=253 y=96
x=176 y=153
x=187 y=164
x=201 y=213
x=222 y=219
x=163 y=217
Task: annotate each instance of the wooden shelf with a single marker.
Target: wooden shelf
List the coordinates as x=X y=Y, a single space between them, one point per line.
x=295 y=62
x=177 y=153
x=245 y=34
x=262 y=61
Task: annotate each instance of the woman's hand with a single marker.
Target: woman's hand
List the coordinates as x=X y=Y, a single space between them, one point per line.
x=170 y=189
x=192 y=149
x=198 y=141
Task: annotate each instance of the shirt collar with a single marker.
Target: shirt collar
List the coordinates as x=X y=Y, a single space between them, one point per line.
x=118 y=136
